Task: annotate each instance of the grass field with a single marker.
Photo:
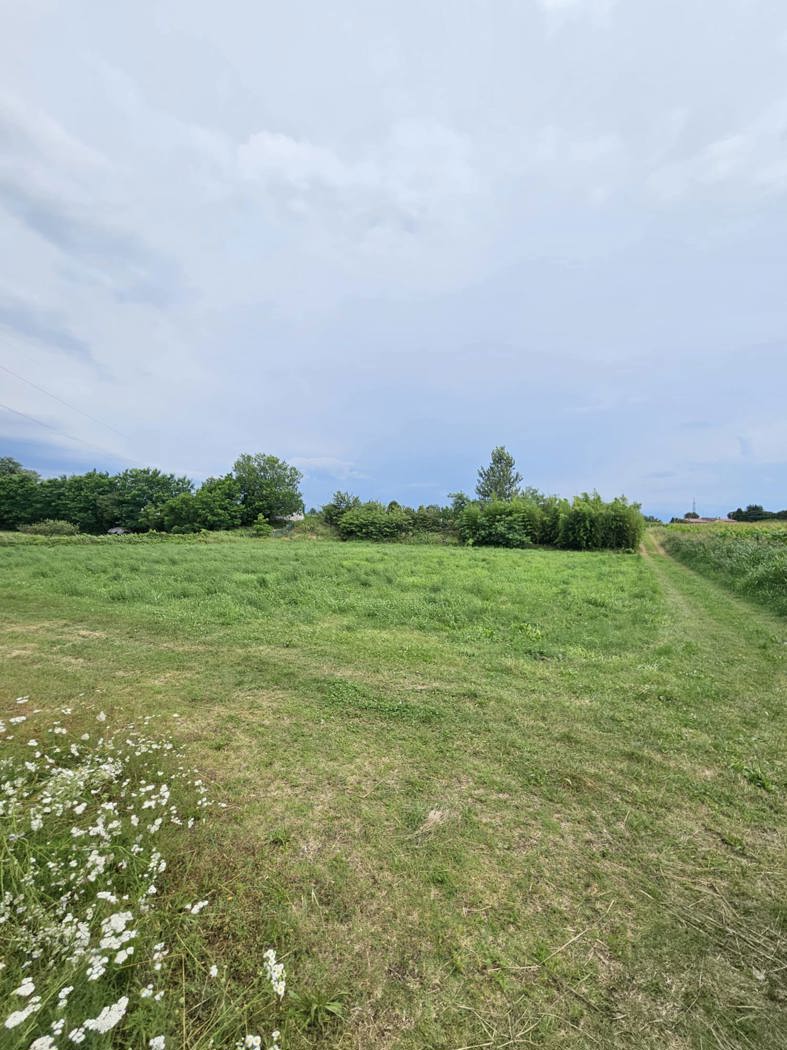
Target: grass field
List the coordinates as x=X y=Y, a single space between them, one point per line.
x=475 y=798
x=749 y=558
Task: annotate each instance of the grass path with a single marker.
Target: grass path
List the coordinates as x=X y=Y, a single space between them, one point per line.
x=478 y=798
x=730 y=618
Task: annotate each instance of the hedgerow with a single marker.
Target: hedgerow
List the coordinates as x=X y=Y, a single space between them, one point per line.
x=586 y=524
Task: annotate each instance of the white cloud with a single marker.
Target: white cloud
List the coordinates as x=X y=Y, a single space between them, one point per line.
x=415 y=177
x=559 y=10
x=753 y=157
x=327 y=466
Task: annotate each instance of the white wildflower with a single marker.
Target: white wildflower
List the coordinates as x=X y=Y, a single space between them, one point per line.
x=18 y=1016
x=157 y=1042
x=108 y=1017
x=275 y=973
x=25 y=989
x=213 y=971
x=63 y=994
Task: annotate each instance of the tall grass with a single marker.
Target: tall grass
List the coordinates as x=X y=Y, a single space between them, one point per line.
x=749 y=559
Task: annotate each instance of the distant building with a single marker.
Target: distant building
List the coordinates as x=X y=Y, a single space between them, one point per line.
x=298 y=516
x=117 y=531
x=704 y=521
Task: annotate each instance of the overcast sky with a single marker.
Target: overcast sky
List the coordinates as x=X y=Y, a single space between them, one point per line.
x=378 y=239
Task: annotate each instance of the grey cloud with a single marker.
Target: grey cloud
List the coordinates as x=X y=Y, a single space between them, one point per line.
x=34 y=322
x=106 y=255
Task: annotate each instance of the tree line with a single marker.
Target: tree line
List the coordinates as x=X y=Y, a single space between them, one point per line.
x=262 y=490
x=502 y=514
x=142 y=499
x=756 y=512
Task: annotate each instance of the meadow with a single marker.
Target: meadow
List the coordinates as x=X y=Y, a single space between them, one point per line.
x=751 y=559
x=471 y=798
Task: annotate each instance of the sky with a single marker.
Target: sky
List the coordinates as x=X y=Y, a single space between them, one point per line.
x=378 y=240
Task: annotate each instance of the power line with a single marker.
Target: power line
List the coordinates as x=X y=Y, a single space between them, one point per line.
x=62 y=402
x=63 y=433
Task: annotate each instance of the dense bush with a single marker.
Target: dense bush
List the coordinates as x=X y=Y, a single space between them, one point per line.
x=432 y=519
x=586 y=524
x=372 y=521
x=500 y=523
x=591 y=524
x=262 y=527
x=552 y=509
x=50 y=527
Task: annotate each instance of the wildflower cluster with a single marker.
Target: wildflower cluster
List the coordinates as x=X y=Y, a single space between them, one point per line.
x=85 y=818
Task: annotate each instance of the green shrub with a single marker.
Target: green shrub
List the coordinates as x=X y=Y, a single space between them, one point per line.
x=262 y=527
x=50 y=527
x=339 y=505
x=500 y=523
x=372 y=521
x=551 y=510
x=591 y=524
x=586 y=524
x=433 y=519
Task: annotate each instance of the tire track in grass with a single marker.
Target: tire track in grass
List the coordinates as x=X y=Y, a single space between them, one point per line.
x=726 y=626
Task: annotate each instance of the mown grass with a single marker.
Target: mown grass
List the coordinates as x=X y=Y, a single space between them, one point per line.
x=475 y=797
x=751 y=559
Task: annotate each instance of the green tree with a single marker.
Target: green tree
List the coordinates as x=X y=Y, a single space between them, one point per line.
x=753 y=512
x=18 y=492
x=136 y=493
x=82 y=499
x=217 y=503
x=341 y=502
x=268 y=486
x=13 y=466
x=500 y=480
x=459 y=500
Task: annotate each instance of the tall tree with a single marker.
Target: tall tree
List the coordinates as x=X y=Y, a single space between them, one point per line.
x=500 y=480
x=8 y=465
x=18 y=492
x=135 y=491
x=268 y=486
